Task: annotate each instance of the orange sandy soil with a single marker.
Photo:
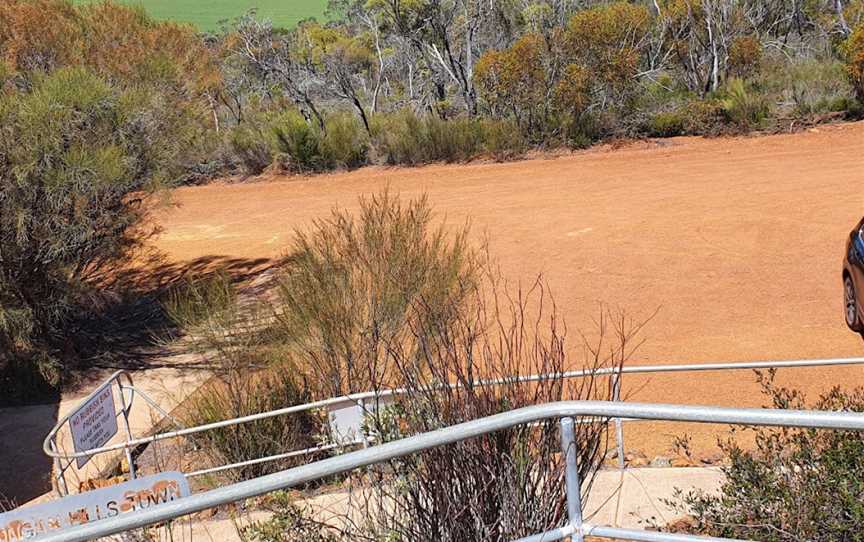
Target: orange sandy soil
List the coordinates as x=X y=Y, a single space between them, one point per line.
x=737 y=241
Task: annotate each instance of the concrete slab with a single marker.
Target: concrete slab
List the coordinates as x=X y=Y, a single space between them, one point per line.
x=632 y=499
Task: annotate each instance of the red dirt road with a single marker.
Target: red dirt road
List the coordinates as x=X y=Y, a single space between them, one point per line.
x=738 y=242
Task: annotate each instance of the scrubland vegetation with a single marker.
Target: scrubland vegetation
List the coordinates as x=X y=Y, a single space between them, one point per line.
x=102 y=108
x=795 y=484
x=386 y=299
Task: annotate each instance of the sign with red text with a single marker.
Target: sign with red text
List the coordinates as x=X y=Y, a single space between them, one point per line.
x=32 y=522
x=94 y=423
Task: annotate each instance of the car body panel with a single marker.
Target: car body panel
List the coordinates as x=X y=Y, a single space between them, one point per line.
x=853 y=265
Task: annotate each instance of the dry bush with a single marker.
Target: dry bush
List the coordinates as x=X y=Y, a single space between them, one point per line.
x=239 y=393
x=249 y=379
x=498 y=487
x=854 y=50
x=348 y=286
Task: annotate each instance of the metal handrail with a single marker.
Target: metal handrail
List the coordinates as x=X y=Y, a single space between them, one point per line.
x=562 y=410
x=381 y=394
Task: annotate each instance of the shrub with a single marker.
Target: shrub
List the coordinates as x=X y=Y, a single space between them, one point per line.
x=80 y=158
x=797 y=484
x=498 y=487
x=666 y=124
x=514 y=82
x=400 y=138
x=608 y=41
x=345 y=143
x=250 y=378
x=742 y=107
x=289 y=523
x=405 y=138
x=745 y=56
x=853 y=49
x=455 y=140
x=809 y=86
x=243 y=392
x=348 y=284
x=299 y=142
x=298 y=146
x=502 y=139
x=252 y=145
x=703 y=117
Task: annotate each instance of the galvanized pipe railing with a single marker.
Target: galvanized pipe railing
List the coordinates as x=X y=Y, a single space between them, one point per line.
x=564 y=410
x=365 y=397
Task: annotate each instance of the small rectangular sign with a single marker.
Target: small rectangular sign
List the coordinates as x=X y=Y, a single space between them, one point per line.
x=94 y=423
x=32 y=522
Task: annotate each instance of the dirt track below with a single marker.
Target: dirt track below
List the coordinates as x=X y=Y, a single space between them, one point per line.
x=738 y=243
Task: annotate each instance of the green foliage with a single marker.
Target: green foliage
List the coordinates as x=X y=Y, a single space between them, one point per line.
x=251 y=377
x=502 y=139
x=252 y=145
x=345 y=143
x=406 y=138
x=296 y=145
x=806 y=87
x=608 y=40
x=667 y=124
x=797 y=484
x=299 y=142
x=244 y=392
x=743 y=108
x=80 y=158
x=853 y=49
x=349 y=283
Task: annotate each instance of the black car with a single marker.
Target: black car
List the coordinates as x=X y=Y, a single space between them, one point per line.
x=853 y=278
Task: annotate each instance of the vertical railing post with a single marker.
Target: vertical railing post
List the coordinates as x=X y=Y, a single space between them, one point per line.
x=125 y=410
x=363 y=423
x=619 y=426
x=571 y=478
x=62 y=488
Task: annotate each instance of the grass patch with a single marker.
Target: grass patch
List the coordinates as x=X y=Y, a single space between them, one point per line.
x=208 y=15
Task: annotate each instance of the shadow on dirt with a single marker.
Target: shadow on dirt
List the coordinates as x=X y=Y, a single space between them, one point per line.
x=129 y=331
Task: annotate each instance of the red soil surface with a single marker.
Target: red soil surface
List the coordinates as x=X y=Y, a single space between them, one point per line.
x=738 y=242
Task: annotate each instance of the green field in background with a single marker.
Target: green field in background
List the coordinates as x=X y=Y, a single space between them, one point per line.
x=206 y=14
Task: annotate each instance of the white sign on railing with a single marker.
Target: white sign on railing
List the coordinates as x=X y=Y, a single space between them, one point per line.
x=31 y=522
x=94 y=423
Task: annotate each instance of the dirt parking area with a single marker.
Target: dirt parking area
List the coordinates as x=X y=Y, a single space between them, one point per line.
x=737 y=243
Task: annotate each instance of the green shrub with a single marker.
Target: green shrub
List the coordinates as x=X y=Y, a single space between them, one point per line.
x=400 y=138
x=805 y=87
x=797 y=484
x=405 y=138
x=251 y=377
x=80 y=158
x=703 y=117
x=252 y=146
x=667 y=124
x=502 y=139
x=455 y=140
x=289 y=523
x=345 y=144
x=243 y=392
x=743 y=107
x=299 y=143
x=348 y=284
